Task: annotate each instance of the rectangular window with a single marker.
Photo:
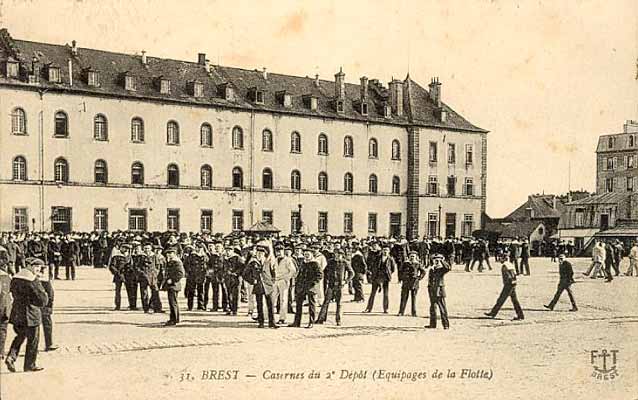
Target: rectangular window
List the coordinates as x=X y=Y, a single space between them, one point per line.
x=137 y=220
x=54 y=74
x=433 y=185
x=266 y=217
x=630 y=162
x=101 y=220
x=451 y=185
x=433 y=225
x=206 y=220
x=20 y=219
x=450 y=225
x=12 y=69
x=468 y=225
x=631 y=141
x=433 y=152
x=295 y=222
x=172 y=219
x=372 y=223
x=347 y=223
x=93 y=78
x=579 y=218
x=451 y=153
x=469 y=154
x=630 y=184
x=469 y=187
x=609 y=185
x=238 y=220
x=610 y=142
x=322 y=222
x=198 y=89
x=259 y=97
x=129 y=83
x=610 y=164
x=395 y=224
x=165 y=86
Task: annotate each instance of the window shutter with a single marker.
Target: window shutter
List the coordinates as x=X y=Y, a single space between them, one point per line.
x=604 y=164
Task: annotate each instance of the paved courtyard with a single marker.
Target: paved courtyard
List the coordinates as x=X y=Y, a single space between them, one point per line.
x=131 y=355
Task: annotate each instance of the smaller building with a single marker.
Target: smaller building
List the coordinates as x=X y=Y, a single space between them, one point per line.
x=534 y=231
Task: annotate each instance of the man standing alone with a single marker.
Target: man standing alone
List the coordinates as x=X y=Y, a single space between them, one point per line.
x=171 y=283
x=566 y=279
x=508 y=274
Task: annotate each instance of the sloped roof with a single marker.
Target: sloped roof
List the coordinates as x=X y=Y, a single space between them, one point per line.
x=624 y=228
x=420 y=110
x=542 y=205
x=603 y=198
x=262 y=227
x=513 y=229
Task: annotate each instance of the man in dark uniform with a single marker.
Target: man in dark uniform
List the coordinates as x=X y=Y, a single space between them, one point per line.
x=336 y=274
x=68 y=257
x=360 y=268
x=195 y=267
x=308 y=276
x=216 y=265
x=610 y=259
x=413 y=272
x=26 y=315
x=233 y=271
x=120 y=262
x=381 y=272
x=47 y=312
x=436 y=291
x=174 y=272
x=508 y=274
x=129 y=272
x=524 y=267
x=565 y=282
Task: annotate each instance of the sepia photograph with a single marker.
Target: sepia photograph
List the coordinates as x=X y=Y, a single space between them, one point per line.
x=283 y=199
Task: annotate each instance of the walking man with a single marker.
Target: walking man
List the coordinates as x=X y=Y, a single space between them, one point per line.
x=509 y=290
x=633 y=260
x=565 y=282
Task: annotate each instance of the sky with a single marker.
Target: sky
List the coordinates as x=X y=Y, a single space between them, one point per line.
x=546 y=78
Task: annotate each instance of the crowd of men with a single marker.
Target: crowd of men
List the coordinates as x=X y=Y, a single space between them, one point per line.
x=275 y=275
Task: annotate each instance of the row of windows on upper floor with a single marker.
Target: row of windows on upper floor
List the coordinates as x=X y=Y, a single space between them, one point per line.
x=616 y=162
x=61 y=174
x=100 y=133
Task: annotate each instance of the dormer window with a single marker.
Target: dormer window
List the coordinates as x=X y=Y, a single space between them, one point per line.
x=226 y=91
x=387 y=111
x=12 y=69
x=310 y=102
x=364 y=108
x=54 y=74
x=340 y=106
x=197 y=89
x=130 y=82
x=257 y=95
x=165 y=86
x=93 y=78
x=284 y=98
x=441 y=114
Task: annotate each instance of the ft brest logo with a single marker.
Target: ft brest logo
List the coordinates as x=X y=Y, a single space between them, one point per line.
x=604 y=363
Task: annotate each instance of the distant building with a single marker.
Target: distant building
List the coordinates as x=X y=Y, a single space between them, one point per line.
x=616 y=203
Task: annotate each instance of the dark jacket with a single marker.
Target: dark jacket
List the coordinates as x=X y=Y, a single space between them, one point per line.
x=119 y=265
x=5 y=296
x=28 y=296
x=412 y=273
x=174 y=272
x=338 y=272
x=359 y=263
x=383 y=269
x=436 y=281
x=566 y=274
x=308 y=276
x=48 y=287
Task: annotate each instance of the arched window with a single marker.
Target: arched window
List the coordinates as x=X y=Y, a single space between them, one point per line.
x=61 y=125
x=295 y=142
x=295 y=180
x=372 y=184
x=19 y=169
x=396 y=150
x=206 y=176
x=18 y=122
x=172 y=133
x=266 y=140
x=101 y=172
x=348 y=182
x=323 y=182
x=238 y=178
x=348 y=147
x=137 y=130
x=172 y=172
x=396 y=185
x=100 y=128
x=323 y=144
x=206 y=135
x=266 y=178
x=137 y=173
x=61 y=170
x=373 y=148
x=238 y=138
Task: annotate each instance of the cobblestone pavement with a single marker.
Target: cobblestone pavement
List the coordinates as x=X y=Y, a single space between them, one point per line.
x=128 y=354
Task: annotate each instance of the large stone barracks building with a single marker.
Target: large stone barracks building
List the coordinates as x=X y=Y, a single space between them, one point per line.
x=95 y=140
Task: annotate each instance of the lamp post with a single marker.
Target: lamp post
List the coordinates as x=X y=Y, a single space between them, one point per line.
x=439 y=228
x=300 y=222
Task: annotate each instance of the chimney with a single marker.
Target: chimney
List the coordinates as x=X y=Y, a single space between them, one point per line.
x=340 y=84
x=554 y=200
x=201 y=59
x=630 y=126
x=396 y=96
x=74 y=49
x=435 y=91
x=144 y=60
x=317 y=80
x=265 y=73
x=71 y=70
x=364 y=88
